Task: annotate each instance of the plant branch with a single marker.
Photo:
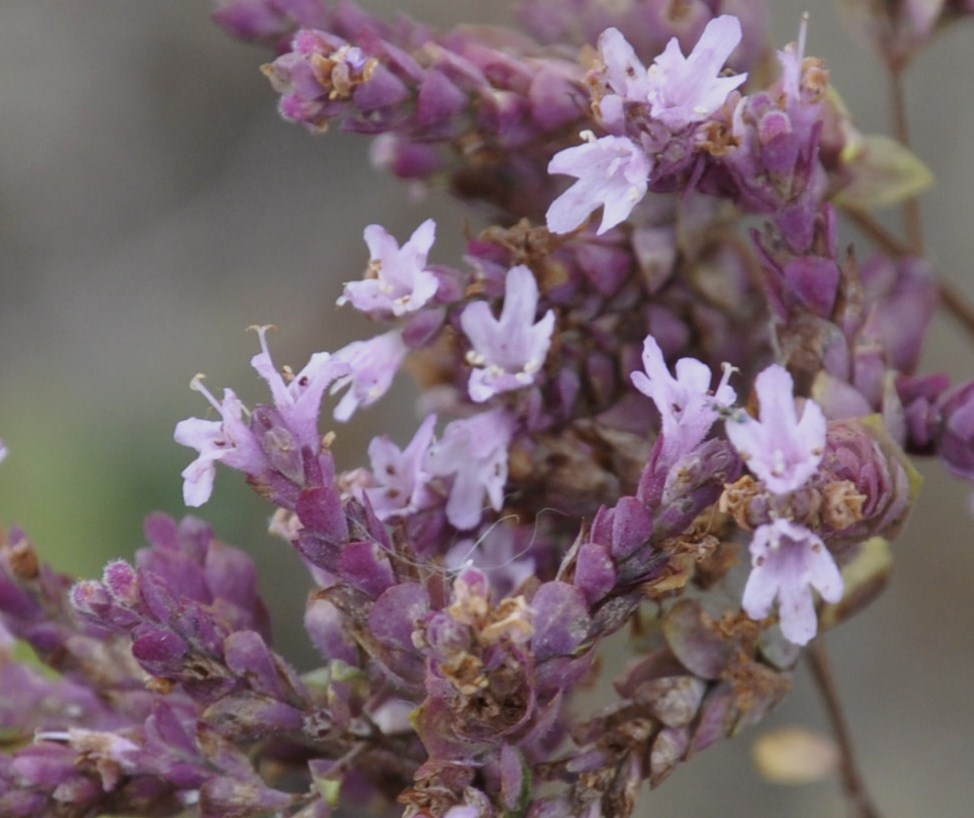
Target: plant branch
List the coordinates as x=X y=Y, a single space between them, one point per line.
x=879 y=235
x=852 y=782
x=912 y=218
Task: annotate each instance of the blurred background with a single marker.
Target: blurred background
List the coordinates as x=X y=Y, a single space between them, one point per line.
x=153 y=205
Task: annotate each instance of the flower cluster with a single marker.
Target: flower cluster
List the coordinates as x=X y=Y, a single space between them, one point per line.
x=612 y=413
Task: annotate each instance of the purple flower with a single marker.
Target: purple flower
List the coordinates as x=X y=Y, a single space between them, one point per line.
x=612 y=173
x=474 y=453
x=781 y=450
x=624 y=74
x=232 y=440
x=372 y=366
x=787 y=561
x=956 y=433
x=322 y=73
x=685 y=403
x=4 y=451
x=688 y=89
x=299 y=399
x=228 y=439
x=396 y=281
x=400 y=479
x=507 y=352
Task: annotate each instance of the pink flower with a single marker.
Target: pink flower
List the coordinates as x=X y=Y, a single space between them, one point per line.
x=781 y=450
x=688 y=89
x=372 y=366
x=231 y=439
x=474 y=453
x=509 y=351
x=787 y=561
x=400 y=479
x=228 y=440
x=624 y=74
x=398 y=281
x=686 y=405
x=612 y=173
x=299 y=399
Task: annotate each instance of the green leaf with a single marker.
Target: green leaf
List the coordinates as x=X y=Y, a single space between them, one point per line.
x=22 y=653
x=330 y=790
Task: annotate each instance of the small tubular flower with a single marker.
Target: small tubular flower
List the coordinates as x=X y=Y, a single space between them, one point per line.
x=400 y=477
x=788 y=561
x=372 y=366
x=232 y=439
x=625 y=76
x=397 y=281
x=299 y=399
x=612 y=173
x=782 y=450
x=685 y=403
x=474 y=453
x=228 y=440
x=684 y=90
x=624 y=72
x=509 y=351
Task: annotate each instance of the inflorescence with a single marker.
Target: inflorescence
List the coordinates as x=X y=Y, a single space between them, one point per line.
x=657 y=392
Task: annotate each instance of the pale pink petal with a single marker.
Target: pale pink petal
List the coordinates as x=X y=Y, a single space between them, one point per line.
x=507 y=352
x=612 y=173
x=781 y=450
x=685 y=90
x=787 y=562
x=685 y=403
x=400 y=282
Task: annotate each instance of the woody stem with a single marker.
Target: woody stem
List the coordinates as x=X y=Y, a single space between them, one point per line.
x=852 y=781
x=912 y=218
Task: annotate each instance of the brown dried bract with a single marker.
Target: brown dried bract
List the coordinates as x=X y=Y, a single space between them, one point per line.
x=23 y=560
x=757 y=687
x=335 y=75
x=718 y=139
x=843 y=504
x=528 y=244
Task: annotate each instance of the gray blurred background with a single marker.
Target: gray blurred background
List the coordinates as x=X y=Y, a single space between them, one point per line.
x=152 y=206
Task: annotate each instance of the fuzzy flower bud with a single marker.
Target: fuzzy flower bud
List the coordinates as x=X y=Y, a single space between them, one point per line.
x=956 y=439
x=861 y=461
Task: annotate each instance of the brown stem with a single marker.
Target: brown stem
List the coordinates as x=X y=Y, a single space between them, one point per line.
x=878 y=234
x=952 y=298
x=911 y=207
x=852 y=782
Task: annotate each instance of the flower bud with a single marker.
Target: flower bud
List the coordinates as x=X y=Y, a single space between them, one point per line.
x=866 y=476
x=956 y=435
